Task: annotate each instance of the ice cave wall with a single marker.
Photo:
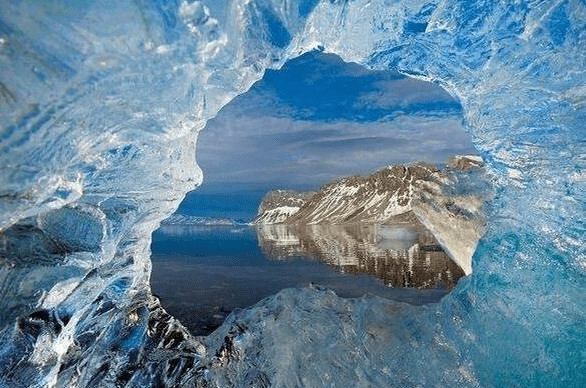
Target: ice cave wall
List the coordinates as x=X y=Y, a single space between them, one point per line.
x=100 y=106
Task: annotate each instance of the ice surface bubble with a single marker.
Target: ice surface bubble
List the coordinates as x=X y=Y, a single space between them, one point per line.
x=77 y=73
x=74 y=229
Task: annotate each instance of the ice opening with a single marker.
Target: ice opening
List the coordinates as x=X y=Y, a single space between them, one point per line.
x=359 y=181
x=100 y=106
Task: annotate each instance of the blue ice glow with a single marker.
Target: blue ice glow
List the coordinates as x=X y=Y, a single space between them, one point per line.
x=80 y=83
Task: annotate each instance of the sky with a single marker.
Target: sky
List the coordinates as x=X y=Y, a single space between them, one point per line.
x=316 y=119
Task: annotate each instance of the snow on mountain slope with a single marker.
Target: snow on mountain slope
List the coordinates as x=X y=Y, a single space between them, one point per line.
x=454 y=218
x=373 y=198
x=278 y=205
x=278 y=215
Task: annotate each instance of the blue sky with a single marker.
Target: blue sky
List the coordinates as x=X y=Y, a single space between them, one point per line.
x=319 y=118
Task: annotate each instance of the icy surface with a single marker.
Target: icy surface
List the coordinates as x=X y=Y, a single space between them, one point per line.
x=100 y=105
x=181 y=219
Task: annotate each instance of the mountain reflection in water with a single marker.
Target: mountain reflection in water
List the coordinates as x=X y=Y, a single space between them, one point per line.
x=401 y=255
x=203 y=272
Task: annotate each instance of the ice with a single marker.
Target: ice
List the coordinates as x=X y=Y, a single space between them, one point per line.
x=100 y=105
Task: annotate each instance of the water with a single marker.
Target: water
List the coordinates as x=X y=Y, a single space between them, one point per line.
x=202 y=273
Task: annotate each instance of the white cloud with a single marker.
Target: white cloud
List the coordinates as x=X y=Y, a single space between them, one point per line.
x=254 y=149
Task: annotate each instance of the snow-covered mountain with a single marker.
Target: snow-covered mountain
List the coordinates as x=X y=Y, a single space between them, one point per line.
x=373 y=198
x=437 y=198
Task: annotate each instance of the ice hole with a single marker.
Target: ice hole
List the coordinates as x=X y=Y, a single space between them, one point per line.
x=313 y=121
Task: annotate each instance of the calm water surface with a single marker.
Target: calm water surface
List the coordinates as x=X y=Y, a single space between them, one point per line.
x=202 y=273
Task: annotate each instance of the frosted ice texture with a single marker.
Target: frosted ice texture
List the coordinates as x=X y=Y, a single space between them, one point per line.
x=100 y=106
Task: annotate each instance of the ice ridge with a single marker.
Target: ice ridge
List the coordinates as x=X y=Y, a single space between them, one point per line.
x=100 y=105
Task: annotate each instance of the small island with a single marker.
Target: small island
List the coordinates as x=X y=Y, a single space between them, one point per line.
x=418 y=195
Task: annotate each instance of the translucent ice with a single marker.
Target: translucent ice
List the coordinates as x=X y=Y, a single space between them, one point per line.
x=100 y=105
